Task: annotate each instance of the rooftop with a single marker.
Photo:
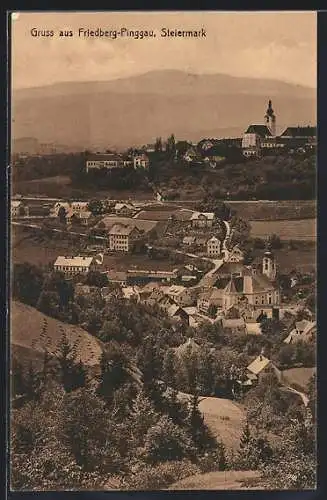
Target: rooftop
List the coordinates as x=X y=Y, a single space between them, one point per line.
x=300 y=132
x=73 y=261
x=259 y=364
x=261 y=130
x=121 y=229
x=104 y=157
x=207 y=215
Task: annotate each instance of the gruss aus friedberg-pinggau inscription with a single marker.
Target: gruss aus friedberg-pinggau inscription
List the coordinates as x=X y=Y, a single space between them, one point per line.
x=120 y=33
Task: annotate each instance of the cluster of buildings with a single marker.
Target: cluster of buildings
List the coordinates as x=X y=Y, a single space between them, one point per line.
x=109 y=161
x=260 y=138
x=257 y=140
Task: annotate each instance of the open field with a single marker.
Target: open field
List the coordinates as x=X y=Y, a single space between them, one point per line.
x=36 y=248
x=27 y=338
x=275 y=210
x=299 y=377
x=60 y=186
x=39 y=250
x=224 y=418
x=302 y=259
x=220 y=480
x=304 y=229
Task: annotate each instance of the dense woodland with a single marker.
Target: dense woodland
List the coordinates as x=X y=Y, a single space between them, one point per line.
x=126 y=425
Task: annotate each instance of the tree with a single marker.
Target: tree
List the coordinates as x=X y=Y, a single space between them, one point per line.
x=95 y=278
x=95 y=207
x=158 y=145
x=165 y=441
x=62 y=213
x=274 y=242
x=171 y=145
x=27 y=283
x=271 y=328
x=114 y=374
x=169 y=369
x=86 y=428
x=143 y=417
x=312 y=394
x=72 y=374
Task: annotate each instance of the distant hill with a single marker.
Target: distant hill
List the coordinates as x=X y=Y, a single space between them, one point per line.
x=135 y=110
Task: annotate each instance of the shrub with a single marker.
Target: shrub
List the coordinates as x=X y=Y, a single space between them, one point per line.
x=160 y=476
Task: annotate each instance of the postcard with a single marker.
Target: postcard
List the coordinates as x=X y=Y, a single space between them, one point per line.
x=163 y=250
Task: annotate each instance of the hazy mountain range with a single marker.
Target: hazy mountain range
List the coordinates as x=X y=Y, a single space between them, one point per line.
x=135 y=110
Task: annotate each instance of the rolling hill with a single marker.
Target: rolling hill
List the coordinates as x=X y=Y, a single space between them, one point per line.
x=135 y=110
x=28 y=342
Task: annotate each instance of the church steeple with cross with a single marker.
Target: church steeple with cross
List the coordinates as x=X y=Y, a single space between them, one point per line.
x=270 y=119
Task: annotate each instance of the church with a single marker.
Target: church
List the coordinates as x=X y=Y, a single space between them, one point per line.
x=262 y=137
x=250 y=285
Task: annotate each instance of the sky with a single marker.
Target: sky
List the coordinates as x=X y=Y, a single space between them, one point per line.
x=275 y=45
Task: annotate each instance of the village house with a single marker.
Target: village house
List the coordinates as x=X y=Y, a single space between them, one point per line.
x=83 y=218
x=103 y=160
x=192 y=155
x=18 y=208
x=213 y=247
x=54 y=211
x=74 y=265
x=202 y=219
x=123 y=238
x=208 y=299
x=118 y=277
x=79 y=206
x=144 y=277
x=124 y=209
x=303 y=331
x=188 y=240
x=259 y=367
x=183 y=296
x=141 y=161
x=235 y=255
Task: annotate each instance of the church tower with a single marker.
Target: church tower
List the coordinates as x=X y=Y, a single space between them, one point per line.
x=269 y=265
x=270 y=119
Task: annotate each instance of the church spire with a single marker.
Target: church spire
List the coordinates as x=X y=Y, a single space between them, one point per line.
x=270 y=118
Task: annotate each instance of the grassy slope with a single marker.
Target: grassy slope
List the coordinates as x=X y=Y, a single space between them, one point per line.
x=28 y=343
x=229 y=480
x=298 y=376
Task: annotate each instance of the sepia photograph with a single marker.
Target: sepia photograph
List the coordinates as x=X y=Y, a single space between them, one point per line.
x=163 y=250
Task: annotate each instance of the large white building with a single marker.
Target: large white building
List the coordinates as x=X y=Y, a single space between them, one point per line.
x=213 y=247
x=74 y=265
x=104 y=160
x=122 y=238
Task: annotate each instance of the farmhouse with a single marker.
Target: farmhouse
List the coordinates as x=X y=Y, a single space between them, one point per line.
x=18 y=208
x=105 y=160
x=181 y=295
x=83 y=218
x=209 y=298
x=74 y=265
x=260 y=366
x=235 y=255
x=303 y=331
x=141 y=161
x=122 y=238
x=124 y=209
x=79 y=206
x=213 y=247
x=204 y=219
